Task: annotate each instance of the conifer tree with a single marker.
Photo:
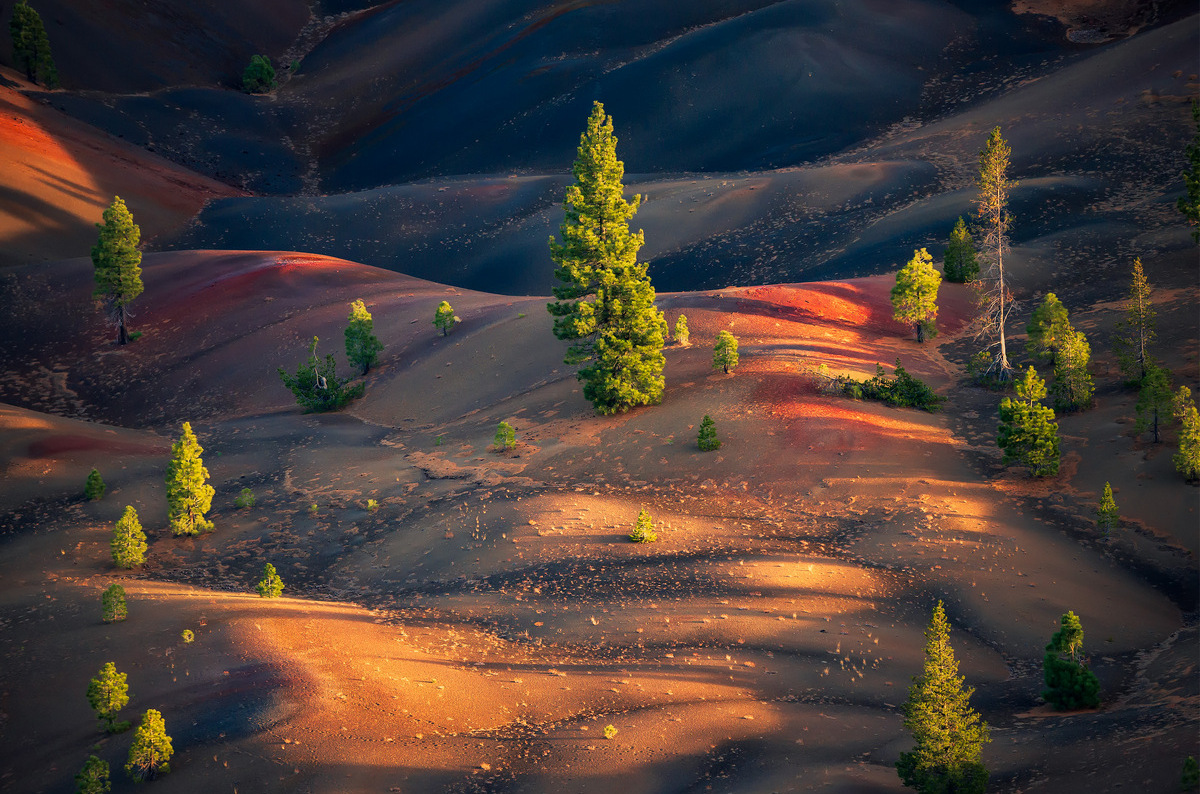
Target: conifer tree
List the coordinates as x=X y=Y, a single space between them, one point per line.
x=995 y=220
x=1028 y=433
x=31 y=46
x=117 y=263
x=1189 y=779
x=643 y=528
x=189 y=496
x=949 y=734
x=128 y=540
x=1154 y=399
x=93 y=777
x=151 y=749
x=506 y=437
x=914 y=298
x=443 y=318
x=259 y=75
x=1046 y=329
x=1135 y=334
x=1073 y=387
x=1187 y=458
x=112 y=604
x=362 y=346
x=94 y=488
x=604 y=302
x=316 y=385
x=1107 y=516
x=270 y=586
x=1189 y=203
x=961 y=264
x=108 y=693
x=1069 y=684
x=682 y=334
x=707 y=438
x=725 y=352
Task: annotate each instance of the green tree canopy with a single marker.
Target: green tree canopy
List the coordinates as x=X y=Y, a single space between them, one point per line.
x=1135 y=334
x=506 y=437
x=189 y=496
x=128 y=540
x=270 y=586
x=707 y=439
x=443 y=318
x=362 y=346
x=108 y=693
x=316 y=385
x=1069 y=684
x=643 y=528
x=914 y=298
x=1187 y=458
x=1189 y=203
x=151 y=748
x=117 y=263
x=112 y=604
x=1154 y=399
x=961 y=263
x=682 y=334
x=31 y=46
x=1028 y=433
x=93 y=777
x=1073 y=387
x=604 y=301
x=725 y=352
x=1107 y=515
x=1046 y=328
x=94 y=488
x=995 y=221
x=258 y=76
x=949 y=735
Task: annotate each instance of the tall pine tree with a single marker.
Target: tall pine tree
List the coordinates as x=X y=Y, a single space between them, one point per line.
x=128 y=540
x=961 y=262
x=1135 y=334
x=914 y=298
x=1187 y=458
x=605 y=302
x=948 y=733
x=189 y=496
x=995 y=220
x=117 y=262
x=31 y=46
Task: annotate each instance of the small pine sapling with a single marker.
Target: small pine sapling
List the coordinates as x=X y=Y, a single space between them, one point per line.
x=151 y=749
x=95 y=487
x=372 y=505
x=108 y=693
x=112 y=603
x=128 y=540
x=707 y=438
x=506 y=437
x=444 y=318
x=1028 y=433
x=725 y=352
x=1154 y=400
x=643 y=528
x=270 y=586
x=1046 y=327
x=961 y=265
x=93 y=777
x=1107 y=517
x=244 y=500
x=362 y=346
x=610 y=732
x=189 y=496
x=188 y=636
x=1187 y=458
x=1069 y=684
x=682 y=334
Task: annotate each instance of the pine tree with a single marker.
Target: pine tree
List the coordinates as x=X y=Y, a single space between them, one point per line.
x=682 y=334
x=1073 y=387
x=258 y=76
x=108 y=693
x=725 y=352
x=961 y=264
x=604 y=301
x=151 y=748
x=93 y=777
x=270 y=586
x=1187 y=459
x=112 y=604
x=189 y=496
x=128 y=540
x=949 y=734
x=992 y=211
x=94 y=488
x=1135 y=334
x=117 y=263
x=1154 y=399
x=443 y=318
x=1069 y=684
x=1189 y=779
x=707 y=438
x=31 y=46
x=643 y=528
x=362 y=346
x=1107 y=517
x=1046 y=329
x=1189 y=203
x=1028 y=433
x=316 y=385
x=506 y=437
x=914 y=298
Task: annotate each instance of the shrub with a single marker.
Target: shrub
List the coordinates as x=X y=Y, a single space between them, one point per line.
x=270 y=586
x=128 y=540
x=444 y=318
x=316 y=385
x=682 y=334
x=643 y=529
x=93 y=777
x=244 y=500
x=901 y=390
x=610 y=732
x=259 y=75
x=151 y=748
x=188 y=636
x=113 y=603
x=372 y=505
x=94 y=488
x=707 y=438
x=107 y=694
x=1190 y=779
x=506 y=437
x=362 y=346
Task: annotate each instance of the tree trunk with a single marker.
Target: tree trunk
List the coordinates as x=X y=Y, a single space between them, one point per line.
x=920 y=332
x=1004 y=365
x=726 y=366
x=122 y=334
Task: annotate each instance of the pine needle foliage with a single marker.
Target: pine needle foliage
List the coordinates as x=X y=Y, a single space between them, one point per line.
x=362 y=346
x=1069 y=684
x=270 y=586
x=914 y=298
x=1154 y=400
x=682 y=334
x=259 y=75
x=443 y=318
x=108 y=693
x=112 y=604
x=1107 y=515
x=1187 y=458
x=506 y=437
x=94 y=488
x=151 y=749
x=961 y=263
x=189 y=496
x=128 y=540
x=707 y=439
x=725 y=352
x=949 y=735
x=1028 y=433
x=643 y=528
x=1135 y=334
x=317 y=387
x=1046 y=329
x=604 y=300
x=1189 y=779
x=117 y=265
x=93 y=777
x=31 y=46
x=995 y=221
x=1073 y=386
x=901 y=390
x=1189 y=203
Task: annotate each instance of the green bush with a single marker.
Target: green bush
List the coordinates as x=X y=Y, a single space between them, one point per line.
x=901 y=390
x=259 y=76
x=707 y=439
x=188 y=636
x=93 y=777
x=270 y=586
x=316 y=385
x=610 y=732
x=244 y=500
x=372 y=505
x=506 y=437
x=94 y=488
x=643 y=529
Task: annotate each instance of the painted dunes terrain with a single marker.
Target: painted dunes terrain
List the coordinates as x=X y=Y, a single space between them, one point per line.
x=478 y=631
